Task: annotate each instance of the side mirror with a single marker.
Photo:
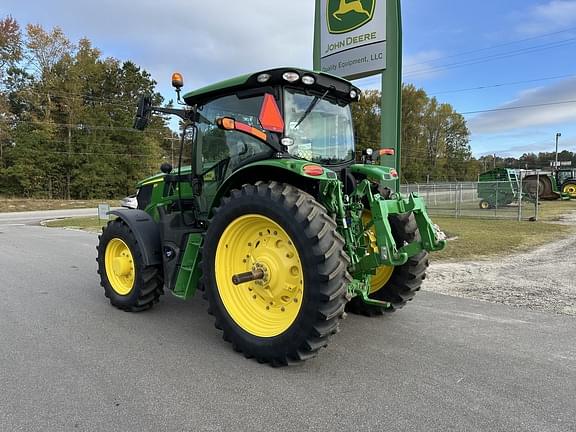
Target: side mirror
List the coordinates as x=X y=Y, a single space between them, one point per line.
x=143 y=113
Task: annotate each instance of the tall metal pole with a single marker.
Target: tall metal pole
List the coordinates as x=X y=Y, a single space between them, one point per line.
x=391 y=128
x=558 y=135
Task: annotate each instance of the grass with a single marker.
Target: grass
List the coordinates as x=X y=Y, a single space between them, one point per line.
x=92 y=224
x=553 y=210
x=477 y=239
x=8 y=205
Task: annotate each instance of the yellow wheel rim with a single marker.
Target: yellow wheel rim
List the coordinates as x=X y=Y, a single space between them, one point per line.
x=267 y=307
x=120 y=268
x=570 y=189
x=383 y=273
x=484 y=205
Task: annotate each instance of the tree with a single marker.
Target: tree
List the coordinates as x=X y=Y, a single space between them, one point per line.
x=435 y=138
x=69 y=114
x=10 y=44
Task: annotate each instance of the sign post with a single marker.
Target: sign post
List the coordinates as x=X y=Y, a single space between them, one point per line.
x=360 y=38
x=103 y=210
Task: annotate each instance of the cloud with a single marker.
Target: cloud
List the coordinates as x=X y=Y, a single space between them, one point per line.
x=207 y=41
x=501 y=121
x=548 y=17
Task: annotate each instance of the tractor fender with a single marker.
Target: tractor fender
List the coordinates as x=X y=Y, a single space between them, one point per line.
x=145 y=230
x=282 y=170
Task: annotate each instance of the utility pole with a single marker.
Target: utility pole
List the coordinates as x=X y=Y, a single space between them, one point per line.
x=494 y=160
x=558 y=135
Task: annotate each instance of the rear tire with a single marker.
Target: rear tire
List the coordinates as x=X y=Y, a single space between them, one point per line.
x=541 y=185
x=405 y=281
x=128 y=282
x=297 y=242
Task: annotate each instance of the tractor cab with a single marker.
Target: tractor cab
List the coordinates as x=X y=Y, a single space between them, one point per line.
x=281 y=113
x=284 y=114
x=292 y=113
x=566 y=180
x=564 y=175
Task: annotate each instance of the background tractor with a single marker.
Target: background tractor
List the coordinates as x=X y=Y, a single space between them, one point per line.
x=552 y=186
x=270 y=216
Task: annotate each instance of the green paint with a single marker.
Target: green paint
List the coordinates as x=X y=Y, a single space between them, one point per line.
x=295 y=166
x=348 y=215
x=499 y=187
x=238 y=81
x=391 y=109
x=190 y=272
x=343 y=18
x=377 y=173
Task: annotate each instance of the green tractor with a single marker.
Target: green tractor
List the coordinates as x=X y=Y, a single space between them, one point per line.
x=272 y=218
x=552 y=186
x=566 y=182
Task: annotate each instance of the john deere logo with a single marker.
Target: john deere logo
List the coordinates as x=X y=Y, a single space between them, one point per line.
x=346 y=15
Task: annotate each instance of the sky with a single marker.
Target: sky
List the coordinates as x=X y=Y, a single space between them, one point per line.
x=489 y=59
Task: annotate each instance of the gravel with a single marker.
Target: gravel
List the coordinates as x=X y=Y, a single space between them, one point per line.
x=542 y=279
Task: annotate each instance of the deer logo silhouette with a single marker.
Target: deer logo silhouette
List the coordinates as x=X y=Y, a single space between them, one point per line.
x=345 y=8
x=344 y=16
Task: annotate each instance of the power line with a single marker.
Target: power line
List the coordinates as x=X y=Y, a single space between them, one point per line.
x=81 y=126
x=484 y=87
x=460 y=54
x=91 y=153
x=519 y=107
x=500 y=56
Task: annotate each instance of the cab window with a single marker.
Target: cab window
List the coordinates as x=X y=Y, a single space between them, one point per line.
x=225 y=151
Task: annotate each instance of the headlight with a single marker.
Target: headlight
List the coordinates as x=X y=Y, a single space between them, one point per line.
x=308 y=80
x=262 y=78
x=291 y=76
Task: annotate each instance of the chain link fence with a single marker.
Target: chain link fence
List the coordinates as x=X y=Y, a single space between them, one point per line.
x=487 y=200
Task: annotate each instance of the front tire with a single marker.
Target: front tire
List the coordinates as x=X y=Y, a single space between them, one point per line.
x=404 y=282
x=128 y=282
x=289 y=314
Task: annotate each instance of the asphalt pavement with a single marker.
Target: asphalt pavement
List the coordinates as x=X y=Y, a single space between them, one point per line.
x=70 y=361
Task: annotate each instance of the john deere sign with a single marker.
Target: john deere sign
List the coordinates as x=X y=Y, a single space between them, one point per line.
x=352 y=37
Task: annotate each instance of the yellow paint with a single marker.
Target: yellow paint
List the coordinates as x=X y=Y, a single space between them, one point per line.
x=119 y=264
x=267 y=307
x=570 y=189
